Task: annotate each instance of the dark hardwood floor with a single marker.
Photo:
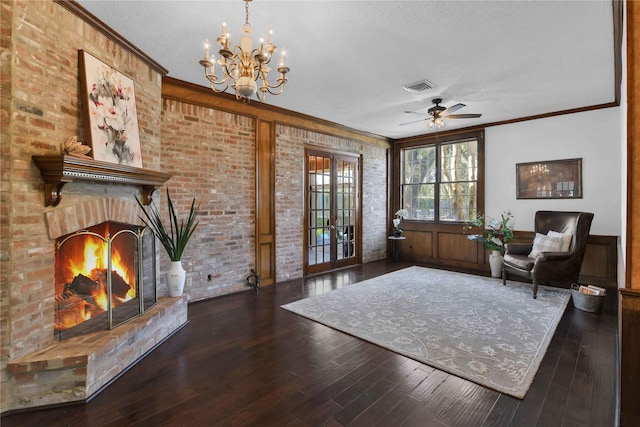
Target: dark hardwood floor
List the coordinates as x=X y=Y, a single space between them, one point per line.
x=244 y=361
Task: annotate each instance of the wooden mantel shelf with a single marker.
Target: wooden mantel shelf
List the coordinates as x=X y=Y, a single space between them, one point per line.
x=57 y=170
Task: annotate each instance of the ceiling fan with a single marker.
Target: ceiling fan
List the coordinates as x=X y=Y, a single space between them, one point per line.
x=438 y=113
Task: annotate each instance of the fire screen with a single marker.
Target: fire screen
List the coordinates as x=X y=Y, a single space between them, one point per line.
x=104 y=276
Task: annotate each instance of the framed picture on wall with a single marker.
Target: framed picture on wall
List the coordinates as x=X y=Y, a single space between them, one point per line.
x=552 y=179
x=110 y=112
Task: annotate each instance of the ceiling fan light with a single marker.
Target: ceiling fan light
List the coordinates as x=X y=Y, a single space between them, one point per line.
x=436 y=115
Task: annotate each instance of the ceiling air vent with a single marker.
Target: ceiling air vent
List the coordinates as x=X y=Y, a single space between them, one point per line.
x=419 y=87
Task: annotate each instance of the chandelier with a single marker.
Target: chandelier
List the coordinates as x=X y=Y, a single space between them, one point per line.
x=244 y=69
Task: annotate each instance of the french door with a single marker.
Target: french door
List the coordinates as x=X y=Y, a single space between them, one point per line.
x=332 y=192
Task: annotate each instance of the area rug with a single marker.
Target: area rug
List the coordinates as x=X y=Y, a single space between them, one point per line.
x=469 y=326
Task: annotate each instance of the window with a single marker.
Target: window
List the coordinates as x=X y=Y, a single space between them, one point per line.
x=439 y=181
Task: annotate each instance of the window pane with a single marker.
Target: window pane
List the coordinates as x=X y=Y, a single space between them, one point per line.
x=419 y=200
x=458 y=201
x=458 y=173
x=439 y=181
x=459 y=161
x=419 y=165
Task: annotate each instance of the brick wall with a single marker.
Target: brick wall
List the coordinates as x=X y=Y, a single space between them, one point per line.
x=290 y=144
x=289 y=201
x=211 y=155
x=219 y=148
x=375 y=222
x=6 y=37
x=41 y=108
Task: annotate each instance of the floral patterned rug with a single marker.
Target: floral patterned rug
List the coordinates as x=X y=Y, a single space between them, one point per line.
x=470 y=326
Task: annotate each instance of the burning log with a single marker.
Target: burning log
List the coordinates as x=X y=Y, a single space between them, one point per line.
x=72 y=309
x=119 y=287
x=85 y=297
x=83 y=285
x=97 y=283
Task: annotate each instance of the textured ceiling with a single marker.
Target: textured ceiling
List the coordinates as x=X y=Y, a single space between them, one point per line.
x=350 y=59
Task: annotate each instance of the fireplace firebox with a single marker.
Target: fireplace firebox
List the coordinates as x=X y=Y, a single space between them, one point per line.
x=104 y=276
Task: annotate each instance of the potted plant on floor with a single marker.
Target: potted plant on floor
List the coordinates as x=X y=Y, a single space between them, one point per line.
x=495 y=233
x=174 y=239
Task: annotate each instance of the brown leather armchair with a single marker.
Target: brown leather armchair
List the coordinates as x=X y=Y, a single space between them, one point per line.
x=548 y=267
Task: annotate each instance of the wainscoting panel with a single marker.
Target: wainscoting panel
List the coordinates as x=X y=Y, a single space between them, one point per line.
x=629 y=349
x=456 y=247
x=600 y=258
x=418 y=247
x=451 y=249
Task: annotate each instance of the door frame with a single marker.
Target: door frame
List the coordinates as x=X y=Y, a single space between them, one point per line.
x=334 y=262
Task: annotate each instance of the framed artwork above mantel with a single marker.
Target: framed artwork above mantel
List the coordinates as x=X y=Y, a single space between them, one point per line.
x=110 y=112
x=549 y=179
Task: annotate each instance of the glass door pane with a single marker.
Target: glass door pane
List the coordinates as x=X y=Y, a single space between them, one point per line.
x=331 y=211
x=346 y=208
x=319 y=209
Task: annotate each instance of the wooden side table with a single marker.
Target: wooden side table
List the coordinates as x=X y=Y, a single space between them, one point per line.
x=396 y=247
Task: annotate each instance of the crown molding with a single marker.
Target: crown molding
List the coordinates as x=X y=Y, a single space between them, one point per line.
x=111 y=34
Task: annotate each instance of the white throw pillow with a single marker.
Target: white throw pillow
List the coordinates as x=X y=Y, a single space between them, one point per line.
x=543 y=243
x=566 y=239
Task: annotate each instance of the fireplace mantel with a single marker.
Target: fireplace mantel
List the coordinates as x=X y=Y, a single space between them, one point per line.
x=57 y=170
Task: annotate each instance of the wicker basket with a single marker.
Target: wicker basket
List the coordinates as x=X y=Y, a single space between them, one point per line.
x=586 y=302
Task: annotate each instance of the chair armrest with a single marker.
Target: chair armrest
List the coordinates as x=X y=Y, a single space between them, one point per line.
x=518 y=248
x=556 y=266
x=554 y=256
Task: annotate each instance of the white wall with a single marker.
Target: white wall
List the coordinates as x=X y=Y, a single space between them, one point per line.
x=622 y=253
x=593 y=136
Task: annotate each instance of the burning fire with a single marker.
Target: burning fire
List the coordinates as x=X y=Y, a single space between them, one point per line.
x=95 y=259
x=84 y=267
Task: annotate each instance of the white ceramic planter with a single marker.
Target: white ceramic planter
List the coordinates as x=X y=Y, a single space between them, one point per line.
x=175 y=279
x=495 y=262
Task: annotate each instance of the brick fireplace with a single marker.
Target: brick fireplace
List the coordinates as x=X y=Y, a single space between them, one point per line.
x=78 y=367
x=37 y=369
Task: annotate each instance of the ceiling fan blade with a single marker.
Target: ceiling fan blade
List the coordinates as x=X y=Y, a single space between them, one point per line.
x=415 y=112
x=454 y=108
x=463 y=116
x=415 y=121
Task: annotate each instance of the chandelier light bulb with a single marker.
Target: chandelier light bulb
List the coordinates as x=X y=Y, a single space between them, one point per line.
x=206 y=49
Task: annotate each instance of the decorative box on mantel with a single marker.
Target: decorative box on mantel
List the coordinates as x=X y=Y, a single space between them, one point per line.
x=57 y=170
